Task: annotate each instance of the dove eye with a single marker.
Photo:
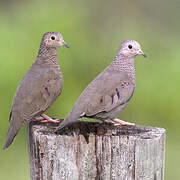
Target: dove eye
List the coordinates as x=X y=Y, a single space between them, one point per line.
x=130 y=46
x=53 y=38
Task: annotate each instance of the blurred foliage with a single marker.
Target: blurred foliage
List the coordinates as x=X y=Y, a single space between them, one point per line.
x=94 y=30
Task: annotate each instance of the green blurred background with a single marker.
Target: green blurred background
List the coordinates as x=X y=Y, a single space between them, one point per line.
x=94 y=30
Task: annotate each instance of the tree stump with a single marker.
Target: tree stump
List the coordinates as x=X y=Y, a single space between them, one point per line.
x=93 y=151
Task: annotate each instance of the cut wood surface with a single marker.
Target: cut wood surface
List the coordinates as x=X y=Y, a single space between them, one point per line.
x=93 y=151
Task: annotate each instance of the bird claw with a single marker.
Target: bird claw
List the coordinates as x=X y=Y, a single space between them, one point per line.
x=118 y=122
x=39 y=118
x=44 y=118
x=51 y=121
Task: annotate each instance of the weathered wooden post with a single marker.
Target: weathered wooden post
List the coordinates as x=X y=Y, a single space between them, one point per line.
x=92 y=151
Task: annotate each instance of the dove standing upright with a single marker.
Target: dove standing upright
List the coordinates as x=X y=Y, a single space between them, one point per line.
x=110 y=91
x=39 y=88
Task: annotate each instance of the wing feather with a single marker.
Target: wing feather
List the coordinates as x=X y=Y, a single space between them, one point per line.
x=108 y=92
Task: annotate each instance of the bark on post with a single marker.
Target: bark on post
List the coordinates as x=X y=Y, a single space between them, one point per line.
x=92 y=151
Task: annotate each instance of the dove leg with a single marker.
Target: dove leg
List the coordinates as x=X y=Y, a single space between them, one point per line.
x=118 y=122
x=111 y=122
x=46 y=118
x=39 y=118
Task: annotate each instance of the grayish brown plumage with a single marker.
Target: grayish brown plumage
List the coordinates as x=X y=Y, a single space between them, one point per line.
x=39 y=88
x=110 y=91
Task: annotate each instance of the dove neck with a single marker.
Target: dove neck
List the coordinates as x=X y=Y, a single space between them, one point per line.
x=47 y=55
x=125 y=64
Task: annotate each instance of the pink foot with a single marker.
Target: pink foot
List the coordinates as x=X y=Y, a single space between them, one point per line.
x=39 y=118
x=45 y=118
x=118 y=122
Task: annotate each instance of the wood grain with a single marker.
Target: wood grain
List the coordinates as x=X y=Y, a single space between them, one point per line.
x=92 y=151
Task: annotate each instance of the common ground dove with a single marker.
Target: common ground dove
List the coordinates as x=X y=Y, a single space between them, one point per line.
x=110 y=91
x=39 y=88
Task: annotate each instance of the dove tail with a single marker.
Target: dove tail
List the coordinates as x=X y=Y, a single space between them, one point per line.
x=67 y=121
x=12 y=132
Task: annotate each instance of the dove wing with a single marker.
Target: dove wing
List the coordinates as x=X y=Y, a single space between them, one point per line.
x=108 y=91
x=36 y=92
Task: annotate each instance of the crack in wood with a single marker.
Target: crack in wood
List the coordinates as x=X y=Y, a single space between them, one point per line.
x=96 y=151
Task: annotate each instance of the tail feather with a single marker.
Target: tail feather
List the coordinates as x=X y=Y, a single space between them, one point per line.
x=67 y=121
x=12 y=132
x=72 y=117
x=64 y=123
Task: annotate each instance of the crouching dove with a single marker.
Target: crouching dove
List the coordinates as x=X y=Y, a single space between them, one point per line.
x=110 y=91
x=39 y=88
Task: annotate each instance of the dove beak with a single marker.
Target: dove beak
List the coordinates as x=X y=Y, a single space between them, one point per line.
x=142 y=53
x=65 y=44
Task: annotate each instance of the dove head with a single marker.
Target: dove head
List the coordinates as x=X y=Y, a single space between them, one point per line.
x=130 y=48
x=53 y=39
